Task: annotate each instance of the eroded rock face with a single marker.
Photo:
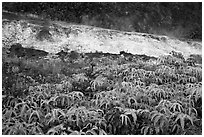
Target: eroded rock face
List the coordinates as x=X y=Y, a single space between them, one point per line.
x=83 y=38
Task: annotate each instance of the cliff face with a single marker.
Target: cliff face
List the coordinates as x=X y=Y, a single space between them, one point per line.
x=59 y=35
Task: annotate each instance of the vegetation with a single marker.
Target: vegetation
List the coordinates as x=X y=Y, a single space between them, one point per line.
x=176 y=19
x=99 y=94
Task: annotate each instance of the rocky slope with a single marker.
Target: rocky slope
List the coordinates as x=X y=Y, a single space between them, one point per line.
x=55 y=36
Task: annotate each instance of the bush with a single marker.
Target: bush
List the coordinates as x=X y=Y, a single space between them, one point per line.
x=118 y=97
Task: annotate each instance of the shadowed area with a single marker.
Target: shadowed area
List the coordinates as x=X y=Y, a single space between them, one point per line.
x=19 y=51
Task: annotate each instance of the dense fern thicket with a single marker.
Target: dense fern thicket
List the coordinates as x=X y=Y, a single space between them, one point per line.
x=97 y=94
x=175 y=19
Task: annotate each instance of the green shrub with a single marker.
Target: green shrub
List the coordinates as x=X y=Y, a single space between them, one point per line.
x=49 y=96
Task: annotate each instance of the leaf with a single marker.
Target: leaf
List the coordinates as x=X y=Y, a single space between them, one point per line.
x=143 y=112
x=75 y=133
x=23 y=110
x=153 y=115
x=157 y=118
x=77 y=94
x=181 y=118
x=102 y=132
x=191 y=110
x=145 y=130
x=132 y=113
x=35 y=112
x=56 y=129
x=188 y=117
x=51 y=131
x=91 y=132
x=175 y=127
x=124 y=118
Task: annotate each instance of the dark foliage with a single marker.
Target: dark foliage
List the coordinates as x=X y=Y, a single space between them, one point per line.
x=176 y=19
x=97 y=94
x=19 y=51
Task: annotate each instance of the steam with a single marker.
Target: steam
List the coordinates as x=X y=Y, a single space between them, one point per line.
x=139 y=23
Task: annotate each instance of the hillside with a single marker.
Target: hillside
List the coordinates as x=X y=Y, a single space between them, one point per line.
x=64 y=79
x=181 y=20
x=54 y=36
